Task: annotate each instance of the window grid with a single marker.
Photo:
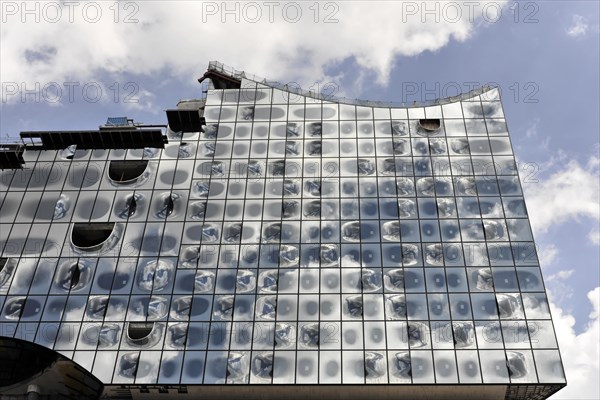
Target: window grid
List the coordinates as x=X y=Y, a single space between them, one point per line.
x=311 y=167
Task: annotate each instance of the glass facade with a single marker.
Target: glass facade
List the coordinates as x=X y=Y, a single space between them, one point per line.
x=293 y=240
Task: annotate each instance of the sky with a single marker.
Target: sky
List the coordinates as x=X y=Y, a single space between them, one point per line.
x=71 y=65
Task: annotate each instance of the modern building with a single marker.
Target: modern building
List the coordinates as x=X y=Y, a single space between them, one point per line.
x=274 y=243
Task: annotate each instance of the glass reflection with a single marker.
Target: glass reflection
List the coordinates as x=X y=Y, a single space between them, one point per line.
x=375 y=365
x=285 y=334
x=309 y=335
x=395 y=225
x=204 y=281
x=156 y=274
x=262 y=365
x=63 y=204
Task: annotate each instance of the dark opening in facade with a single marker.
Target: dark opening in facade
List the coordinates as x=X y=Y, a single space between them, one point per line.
x=124 y=172
x=139 y=333
x=90 y=237
x=430 y=125
x=11 y=156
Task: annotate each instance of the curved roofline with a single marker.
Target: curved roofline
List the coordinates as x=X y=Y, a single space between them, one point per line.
x=231 y=72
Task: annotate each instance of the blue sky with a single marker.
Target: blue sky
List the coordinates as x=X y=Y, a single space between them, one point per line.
x=544 y=55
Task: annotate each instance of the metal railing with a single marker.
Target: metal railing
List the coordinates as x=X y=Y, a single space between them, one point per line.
x=10 y=141
x=236 y=74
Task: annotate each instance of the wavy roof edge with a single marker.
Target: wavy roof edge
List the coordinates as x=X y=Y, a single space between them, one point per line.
x=239 y=75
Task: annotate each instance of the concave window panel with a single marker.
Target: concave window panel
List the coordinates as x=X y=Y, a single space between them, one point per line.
x=69 y=152
x=126 y=172
x=131 y=205
x=7 y=266
x=69 y=275
x=90 y=237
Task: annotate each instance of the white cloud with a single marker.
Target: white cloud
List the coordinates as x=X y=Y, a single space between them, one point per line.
x=594 y=297
x=547 y=255
x=594 y=236
x=142 y=100
x=532 y=134
x=532 y=130
x=182 y=38
x=570 y=193
x=558 y=284
x=580 y=352
x=562 y=275
x=579 y=27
